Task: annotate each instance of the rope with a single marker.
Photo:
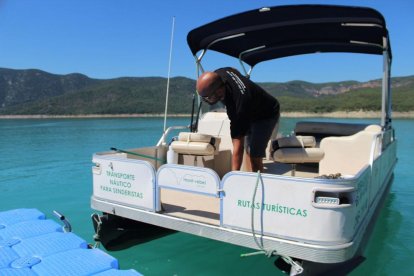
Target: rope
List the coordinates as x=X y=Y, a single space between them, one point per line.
x=269 y=253
x=96 y=236
x=169 y=71
x=259 y=177
x=330 y=176
x=140 y=155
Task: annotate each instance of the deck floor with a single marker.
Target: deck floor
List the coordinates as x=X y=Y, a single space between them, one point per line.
x=190 y=206
x=302 y=170
x=206 y=209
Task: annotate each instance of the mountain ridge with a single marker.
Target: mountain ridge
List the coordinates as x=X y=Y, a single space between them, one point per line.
x=34 y=91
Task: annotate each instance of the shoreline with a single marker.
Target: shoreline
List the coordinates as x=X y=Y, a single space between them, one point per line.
x=338 y=114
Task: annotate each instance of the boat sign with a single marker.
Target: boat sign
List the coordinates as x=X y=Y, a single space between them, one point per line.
x=126 y=181
x=190 y=179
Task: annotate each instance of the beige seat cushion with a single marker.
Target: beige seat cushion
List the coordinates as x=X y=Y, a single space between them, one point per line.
x=298 y=155
x=194 y=137
x=192 y=148
x=349 y=154
x=196 y=144
x=297 y=142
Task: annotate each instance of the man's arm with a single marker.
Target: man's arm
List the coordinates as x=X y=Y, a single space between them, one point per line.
x=238 y=149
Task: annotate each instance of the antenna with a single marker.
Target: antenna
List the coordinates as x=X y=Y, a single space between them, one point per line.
x=168 y=77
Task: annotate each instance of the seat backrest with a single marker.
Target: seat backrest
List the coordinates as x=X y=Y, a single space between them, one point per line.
x=298 y=155
x=349 y=154
x=218 y=125
x=202 y=150
x=321 y=130
x=295 y=142
x=196 y=144
x=215 y=124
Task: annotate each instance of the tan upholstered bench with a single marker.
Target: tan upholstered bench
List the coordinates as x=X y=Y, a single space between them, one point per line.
x=297 y=150
x=349 y=154
x=298 y=155
x=196 y=144
x=296 y=142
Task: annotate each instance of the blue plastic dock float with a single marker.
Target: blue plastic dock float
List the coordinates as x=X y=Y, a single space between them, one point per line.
x=32 y=245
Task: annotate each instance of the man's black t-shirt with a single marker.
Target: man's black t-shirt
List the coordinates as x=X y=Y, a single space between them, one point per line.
x=245 y=101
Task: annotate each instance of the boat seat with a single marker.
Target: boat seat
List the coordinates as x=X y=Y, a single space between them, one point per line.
x=196 y=144
x=295 y=142
x=297 y=150
x=298 y=155
x=320 y=130
x=202 y=150
x=349 y=154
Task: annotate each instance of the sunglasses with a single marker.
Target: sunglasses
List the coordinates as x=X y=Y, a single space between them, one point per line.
x=212 y=99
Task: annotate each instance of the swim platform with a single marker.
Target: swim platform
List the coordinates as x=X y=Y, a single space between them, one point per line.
x=31 y=244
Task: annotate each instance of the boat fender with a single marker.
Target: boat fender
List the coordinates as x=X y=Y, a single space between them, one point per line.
x=172 y=156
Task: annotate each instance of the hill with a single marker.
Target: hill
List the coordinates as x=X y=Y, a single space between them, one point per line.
x=21 y=86
x=29 y=92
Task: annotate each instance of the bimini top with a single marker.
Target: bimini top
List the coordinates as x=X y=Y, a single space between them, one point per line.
x=282 y=31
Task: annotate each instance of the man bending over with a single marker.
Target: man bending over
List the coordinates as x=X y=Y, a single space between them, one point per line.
x=253 y=113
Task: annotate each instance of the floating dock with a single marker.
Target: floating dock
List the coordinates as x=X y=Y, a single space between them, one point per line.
x=32 y=245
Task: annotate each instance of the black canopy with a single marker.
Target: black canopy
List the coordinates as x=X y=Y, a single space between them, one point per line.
x=276 y=32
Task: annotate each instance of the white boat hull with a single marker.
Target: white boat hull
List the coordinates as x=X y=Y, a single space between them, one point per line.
x=294 y=223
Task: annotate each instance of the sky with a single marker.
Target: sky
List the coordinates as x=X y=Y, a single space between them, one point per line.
x=117 y=38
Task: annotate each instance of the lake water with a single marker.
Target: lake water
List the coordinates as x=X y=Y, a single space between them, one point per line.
x=46 y=164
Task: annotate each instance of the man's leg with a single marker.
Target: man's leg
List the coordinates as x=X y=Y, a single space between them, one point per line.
x=257 y=163
x=247 y=162
x=258 y=139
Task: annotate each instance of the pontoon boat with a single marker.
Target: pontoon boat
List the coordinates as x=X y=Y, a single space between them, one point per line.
x=321 y=187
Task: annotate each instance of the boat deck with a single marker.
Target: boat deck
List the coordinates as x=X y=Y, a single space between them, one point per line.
x=301 y=170
x=190 y=206
x=206 y=209
x=217 y=209
x=30 y=244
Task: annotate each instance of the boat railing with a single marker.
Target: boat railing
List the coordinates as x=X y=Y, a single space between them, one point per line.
x=376 y=147
x=167 y=131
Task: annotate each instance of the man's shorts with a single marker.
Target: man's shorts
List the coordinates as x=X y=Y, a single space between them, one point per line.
x=258 y=136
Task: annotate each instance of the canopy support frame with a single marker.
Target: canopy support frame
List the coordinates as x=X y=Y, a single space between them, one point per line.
x=386 y=107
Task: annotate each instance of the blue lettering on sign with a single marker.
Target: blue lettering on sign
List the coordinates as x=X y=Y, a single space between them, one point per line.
x=194 y=179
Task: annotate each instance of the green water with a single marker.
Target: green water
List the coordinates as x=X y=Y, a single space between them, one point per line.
x=46 y=164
